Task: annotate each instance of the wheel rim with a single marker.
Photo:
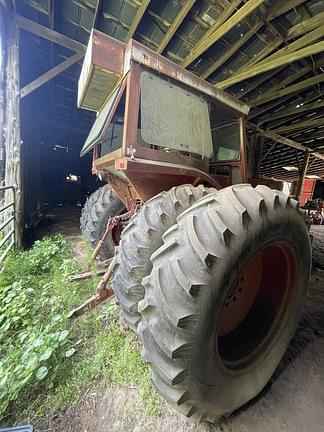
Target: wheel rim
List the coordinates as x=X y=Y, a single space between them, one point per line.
x=256 y=303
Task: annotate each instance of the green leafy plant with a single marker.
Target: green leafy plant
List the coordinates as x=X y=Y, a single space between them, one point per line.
x=48 y=361
x=34 y=339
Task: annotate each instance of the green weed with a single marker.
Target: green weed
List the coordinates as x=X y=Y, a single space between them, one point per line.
x=47 y=361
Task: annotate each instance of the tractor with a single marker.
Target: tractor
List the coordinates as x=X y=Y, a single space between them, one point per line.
x=210 y=267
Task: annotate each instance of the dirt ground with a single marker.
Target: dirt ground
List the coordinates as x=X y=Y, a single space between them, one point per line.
x=292 y=402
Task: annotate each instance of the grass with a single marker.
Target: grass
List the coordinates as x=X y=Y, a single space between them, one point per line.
x=48 y=362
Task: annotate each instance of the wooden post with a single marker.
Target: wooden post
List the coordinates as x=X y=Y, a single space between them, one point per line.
x=255 y=152
x=2 y=95
x=10 y=124
x=302 y=174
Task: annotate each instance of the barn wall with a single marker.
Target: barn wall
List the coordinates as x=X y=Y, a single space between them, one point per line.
x=10 y=116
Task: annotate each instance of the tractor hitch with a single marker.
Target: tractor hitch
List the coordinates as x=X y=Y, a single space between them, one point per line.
x=102 y=292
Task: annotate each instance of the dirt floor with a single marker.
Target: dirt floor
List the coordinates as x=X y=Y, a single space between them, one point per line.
x=293 y=401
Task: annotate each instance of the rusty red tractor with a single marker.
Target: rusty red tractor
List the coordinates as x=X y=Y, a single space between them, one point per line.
x=210 y=271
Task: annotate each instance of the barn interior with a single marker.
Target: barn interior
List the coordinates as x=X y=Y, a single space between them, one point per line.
x=268 y=54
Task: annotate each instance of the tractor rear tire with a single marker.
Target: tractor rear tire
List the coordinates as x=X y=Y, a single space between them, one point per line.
x=317 y=235
x=141 y=237
x=100 y=205
x=223 y=300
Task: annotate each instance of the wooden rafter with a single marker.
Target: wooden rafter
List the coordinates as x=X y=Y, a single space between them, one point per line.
x=257 y=112
x=302 y=173
x=43 y=79
x=263 y=55
x=96 y=14
x=256 y=83
x=283 y=83
x=283 y=7
x=268 y=109
x=175 y=25
x=294 y=88
x=295 y=31
x=284 y=140
x=299 y=43
x=232 y=50
x=274 y=121
x=313 y=135
x=267 y=66
x=221 y=27
x=269 y=48
x=270 y=150
x=219 y=21
x=51 y=35
x=301 y=125
x=306 y=25
x=139 y=14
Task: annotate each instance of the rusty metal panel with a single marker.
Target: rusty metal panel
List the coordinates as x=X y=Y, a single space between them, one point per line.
x=174 y=118
x=141 y=54
x=102 y=69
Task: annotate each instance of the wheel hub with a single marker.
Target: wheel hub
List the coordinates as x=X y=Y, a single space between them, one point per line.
x=242 y=296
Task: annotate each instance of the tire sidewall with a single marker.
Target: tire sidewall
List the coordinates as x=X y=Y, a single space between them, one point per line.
x=212 y=381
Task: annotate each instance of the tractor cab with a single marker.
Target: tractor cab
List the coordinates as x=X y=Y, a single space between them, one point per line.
x=157 y=124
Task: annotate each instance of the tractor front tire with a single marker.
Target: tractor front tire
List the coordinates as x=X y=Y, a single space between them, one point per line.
x=141 y=237
x=223 y=300
x=99 y=207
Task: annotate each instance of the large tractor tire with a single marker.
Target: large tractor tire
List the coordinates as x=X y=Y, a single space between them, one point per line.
x=141 y=237
x=100 y=205
x=317 y=236
x=224 y=298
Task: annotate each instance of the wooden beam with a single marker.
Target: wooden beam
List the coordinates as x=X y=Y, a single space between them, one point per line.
x=298 y=162
x=303 y=12
x=257 y=112
x=283 y=7
x=302 y=174
x=211 y=30
x=10 y=129
x=51 y=35
x=271 y=46
x=294 y=88
x=313 y=135
x=257 y=82
x=43 y=79
x=270 y=150
x=265 y=110
x=284 y=140
x=283 y=83
x=292 y=111
x=35 y=6
x=213 y=35
x=175 y=25
x=139 y=14
x=232 y=50
x=255 y=152
x=306 y=25
x=96 y=14
x=298 y=44
x=301 y=125
x=267 y=66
